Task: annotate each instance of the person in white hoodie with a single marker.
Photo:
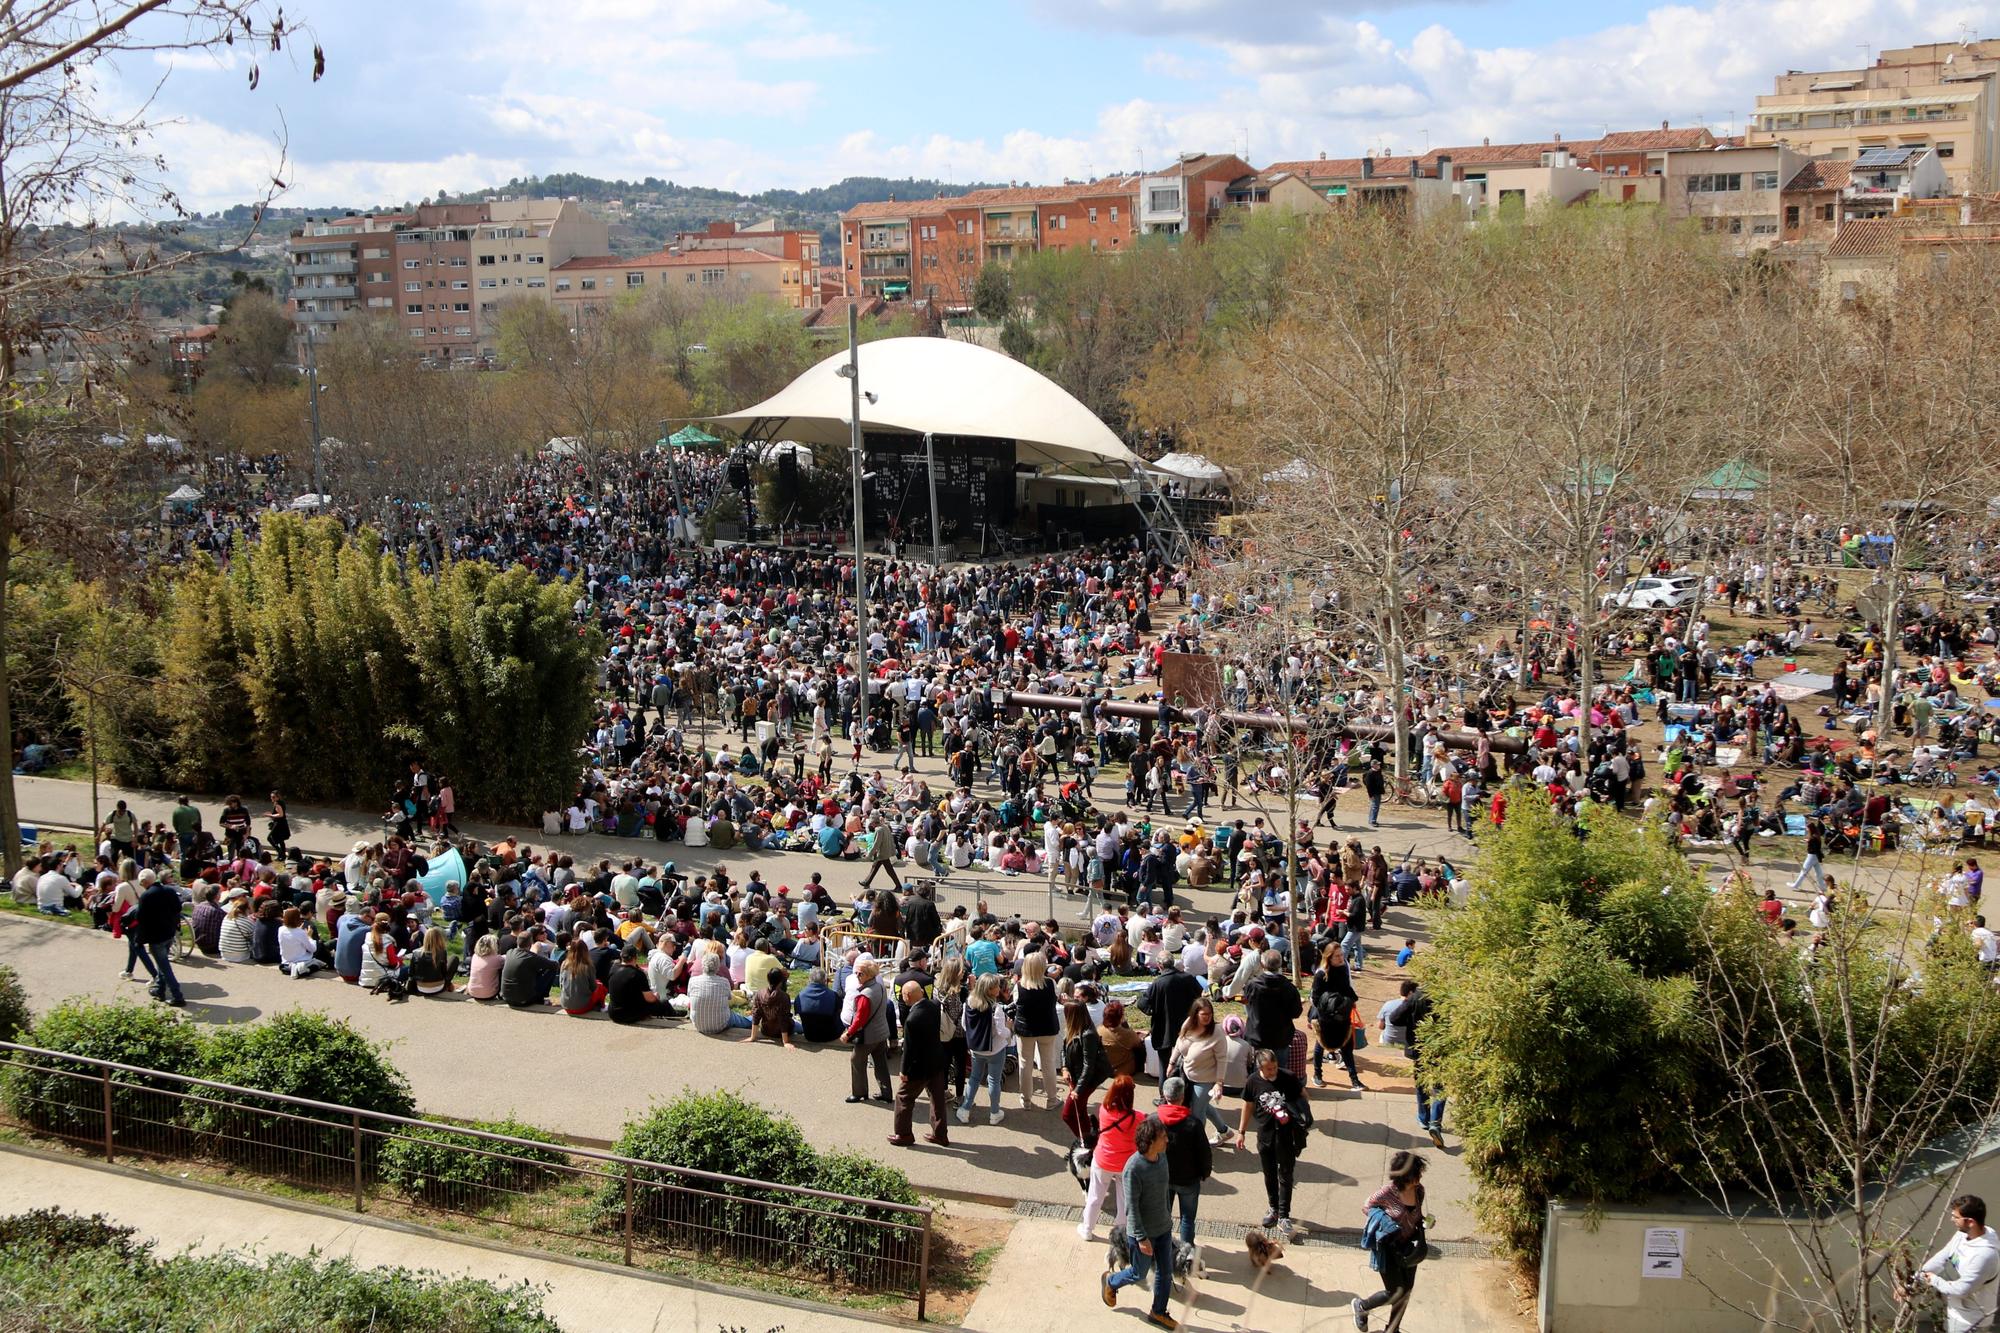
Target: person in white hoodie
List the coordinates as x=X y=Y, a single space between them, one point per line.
x=1966 y=1272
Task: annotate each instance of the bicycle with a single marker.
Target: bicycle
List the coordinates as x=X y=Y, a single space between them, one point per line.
x=184 y=946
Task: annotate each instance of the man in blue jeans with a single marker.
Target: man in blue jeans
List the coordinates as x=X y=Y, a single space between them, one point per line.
x=157 y=923
x=1148 y=1223
x=1190 y=1160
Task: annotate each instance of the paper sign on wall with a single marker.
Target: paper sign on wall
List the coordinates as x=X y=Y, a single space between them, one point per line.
x=1663 y=1252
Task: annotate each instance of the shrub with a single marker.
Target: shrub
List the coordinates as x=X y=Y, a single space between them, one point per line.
x=458 y=1170
x=298 y=1054
x=15 y=1017
x=718 y=1132
x=854 y=1249
x=67 y=1098
x=60 y=1234
x=68 y=1286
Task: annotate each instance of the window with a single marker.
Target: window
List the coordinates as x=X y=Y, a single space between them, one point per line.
x=1764 y=229
x=1114 y=212
x=1736 y=226
x=374 y=254
x=714 y=275
x=538 y=282
x=1763 y=180
x=537 y=259
x=378 y=277
x=486 y=283
x=1093 y=245
x=635 y=280
x=413 y=286
x=1826 y=213
x=463 y=330
x=590 y=284
x=562 y=284
x=1164 y=200
x=413 y=309
x=459 y=284
x=413 y=263
x=462 y=307
x=1717 y=184
x=416 y=333
x=459 y=262
x=380 y=303
x=1791 y=217
x=487 y=261
x=1944 y=148
x=1092 y=215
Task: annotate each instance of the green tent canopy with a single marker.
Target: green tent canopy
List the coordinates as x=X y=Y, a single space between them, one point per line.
x=689 y=437
x=1734 y=480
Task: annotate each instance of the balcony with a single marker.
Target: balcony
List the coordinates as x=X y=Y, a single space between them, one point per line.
x=329 y=293
x=322 y=316
x=884 y=247
x=322 y=266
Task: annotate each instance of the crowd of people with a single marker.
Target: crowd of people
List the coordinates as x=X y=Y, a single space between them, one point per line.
x=732 y=719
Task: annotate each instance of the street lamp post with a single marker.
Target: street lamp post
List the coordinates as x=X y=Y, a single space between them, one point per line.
x=312 y=401
x=852 y=373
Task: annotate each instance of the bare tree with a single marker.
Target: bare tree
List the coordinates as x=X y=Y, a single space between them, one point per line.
x=1599 y=401
x=1356 y=398
x=70 y=160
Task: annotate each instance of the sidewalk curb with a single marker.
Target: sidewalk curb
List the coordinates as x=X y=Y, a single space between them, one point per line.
x=350 y=1218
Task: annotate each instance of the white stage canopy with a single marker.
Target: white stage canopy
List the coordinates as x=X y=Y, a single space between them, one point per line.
x=1190 y=468
x=939 y=386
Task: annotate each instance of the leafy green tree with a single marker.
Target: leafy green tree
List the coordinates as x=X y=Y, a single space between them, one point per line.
x=1564 y=1028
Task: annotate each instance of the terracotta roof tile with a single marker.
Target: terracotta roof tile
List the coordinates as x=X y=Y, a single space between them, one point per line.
x=672 y=259
x=1864 y=237
x=1645 y=141
x=1821 y=175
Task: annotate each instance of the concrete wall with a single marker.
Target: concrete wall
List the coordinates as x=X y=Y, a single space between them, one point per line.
x=1738 y=1274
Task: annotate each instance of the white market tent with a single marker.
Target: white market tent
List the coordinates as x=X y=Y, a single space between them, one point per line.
x=185 y=495
x=307 y=502
x=940 y=386
x=1190 y=468
x=562 y=446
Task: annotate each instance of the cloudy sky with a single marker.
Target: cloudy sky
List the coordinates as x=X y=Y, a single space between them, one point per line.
x=745 y=94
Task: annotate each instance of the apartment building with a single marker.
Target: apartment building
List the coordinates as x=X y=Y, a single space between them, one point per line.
x=597 y=281
x=339 y=268
x=801 y=248
x=1939 y=97
x=440 y=271
x=933 y=249
x=1737 y=193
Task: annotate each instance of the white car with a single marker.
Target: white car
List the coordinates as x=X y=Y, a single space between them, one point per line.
x=1653 y=594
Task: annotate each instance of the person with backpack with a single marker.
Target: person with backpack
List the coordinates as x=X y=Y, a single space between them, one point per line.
x=1393 y=1234
x=1333 y=1001
x=1408 y=1017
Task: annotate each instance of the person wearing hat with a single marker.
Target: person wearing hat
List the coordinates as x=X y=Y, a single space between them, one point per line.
x=1190 y=1160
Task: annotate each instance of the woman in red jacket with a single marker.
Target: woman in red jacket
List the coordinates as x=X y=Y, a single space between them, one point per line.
x=1117 y=1125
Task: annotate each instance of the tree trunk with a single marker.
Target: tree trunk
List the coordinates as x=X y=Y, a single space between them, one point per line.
x=1586 y=655
x=1892 y=610
x=1394 y=649
x=10 y=818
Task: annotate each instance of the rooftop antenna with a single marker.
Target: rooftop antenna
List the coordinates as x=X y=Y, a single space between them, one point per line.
x=1867 y=54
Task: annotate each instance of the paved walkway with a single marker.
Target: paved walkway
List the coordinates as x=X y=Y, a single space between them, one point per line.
x=579 y=1297
x=586 y=1077
x=1037 y=1286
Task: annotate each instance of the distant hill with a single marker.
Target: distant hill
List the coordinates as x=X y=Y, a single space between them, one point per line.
x=644 y=214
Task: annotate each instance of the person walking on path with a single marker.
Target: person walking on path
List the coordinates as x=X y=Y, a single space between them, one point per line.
x=926 y=1067
x=1190 y=1160
x=1117 y=1130
x=1393 y=1231
x=1276 y=1100
x=157 y=923
x=882 y=855
x=1815 y=847
x=1148 y=1224
x=868 y=1034
x=1374 y=784
x=1408 y=1017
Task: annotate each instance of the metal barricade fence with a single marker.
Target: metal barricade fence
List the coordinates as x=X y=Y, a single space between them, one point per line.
x=596 y=1204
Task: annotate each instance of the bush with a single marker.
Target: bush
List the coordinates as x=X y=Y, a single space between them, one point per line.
x=457 y=1170
x=854 y=1249
x=66 y=1286
x=15 y=1017
x=60 y=1234
x=298 y=1054
x=718 y=1132
x=67 y=1098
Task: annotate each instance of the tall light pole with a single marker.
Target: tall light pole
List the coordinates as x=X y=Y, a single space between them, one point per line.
x=852 y=372
x=930 y=473
x=312 y=401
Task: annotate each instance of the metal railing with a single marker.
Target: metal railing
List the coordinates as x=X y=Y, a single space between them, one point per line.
x=560 y=1196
